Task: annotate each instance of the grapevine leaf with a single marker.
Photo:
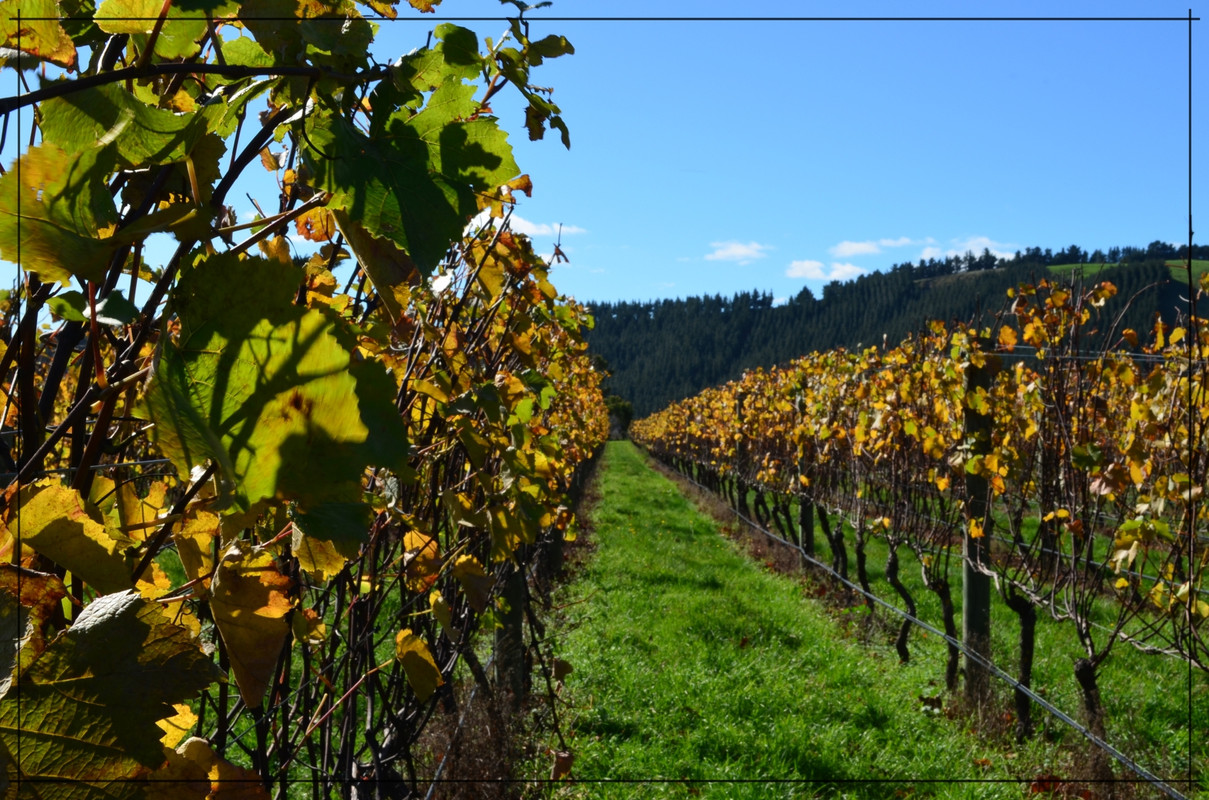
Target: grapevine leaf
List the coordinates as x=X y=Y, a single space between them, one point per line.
x=475 y=581
x=418 y=664
x=52 y=208
x=316 y=557
x=115 y=310
x=422 y=558
x=389 y=269
x=245 y=52
x=68 y=306
x=37 y=595
x=268 y=389
x=338 y=39
x=39 y=34
x=85 y=712
x=425 y=6
x=249 y=598
x=415 y=183
x=178 y=34
x=196 y=760
x=55 y=523
x=384 y=7
x=140 y=135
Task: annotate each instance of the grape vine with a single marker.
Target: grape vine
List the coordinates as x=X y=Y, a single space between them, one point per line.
x=1090 y=467
x=253 y=521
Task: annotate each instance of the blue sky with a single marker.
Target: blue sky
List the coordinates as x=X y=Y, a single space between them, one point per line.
x=716 y=157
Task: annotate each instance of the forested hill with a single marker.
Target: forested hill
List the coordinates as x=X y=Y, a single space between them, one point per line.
x=665 y=350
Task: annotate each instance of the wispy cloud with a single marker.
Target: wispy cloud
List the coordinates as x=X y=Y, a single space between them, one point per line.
x=848 y=249
x=737 y=251
x=522 y=225
x=818 y=271
x=971 y=244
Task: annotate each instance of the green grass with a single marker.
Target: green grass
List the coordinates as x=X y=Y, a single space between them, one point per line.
x=692 y=663
x=1177 y=267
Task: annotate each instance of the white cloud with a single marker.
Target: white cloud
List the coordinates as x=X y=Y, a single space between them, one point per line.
x=737 y=251
x=971 y=244
x=522 y=225
x=811 y=270
x=847 y=249
x=843 y=272
x=816 y=271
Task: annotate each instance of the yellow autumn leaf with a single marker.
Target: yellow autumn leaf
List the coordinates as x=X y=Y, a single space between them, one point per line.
x=55 y=523
x=227 y=781
x=418 y=664
x=318 y=558
x=474 y=580
x=249 y=601
x=177 y=726
x=422 y=560
x=441 y=610
x=195 y=543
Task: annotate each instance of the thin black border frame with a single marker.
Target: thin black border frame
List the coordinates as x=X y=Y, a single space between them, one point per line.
x=1192 y=776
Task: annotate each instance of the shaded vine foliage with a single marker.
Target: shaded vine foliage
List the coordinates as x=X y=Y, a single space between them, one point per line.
x=254 y=521
x=1093 y=465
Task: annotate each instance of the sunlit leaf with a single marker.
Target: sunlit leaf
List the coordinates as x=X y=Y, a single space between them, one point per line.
x=55 y=523
x=40 y=33
x=249 y=599
x=52 y=209
x=81 y=722
x=418 y=664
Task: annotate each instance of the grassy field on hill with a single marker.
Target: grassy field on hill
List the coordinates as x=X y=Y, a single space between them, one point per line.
x=698 y=672
x=1178 y=270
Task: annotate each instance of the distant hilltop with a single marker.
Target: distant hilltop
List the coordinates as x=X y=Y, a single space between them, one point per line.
x=664 y=350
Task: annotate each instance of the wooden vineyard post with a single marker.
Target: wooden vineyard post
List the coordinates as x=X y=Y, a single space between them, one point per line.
x=509 y=638
x=976 y=582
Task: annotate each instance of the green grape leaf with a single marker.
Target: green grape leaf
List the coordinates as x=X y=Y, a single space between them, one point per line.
x=55 y=523
x=339 y=38
x=137 y=134
x=390 y=271
x=114 y=310
x=267 y=389
x=178 y=34
x=52 y=211
x=455 y=58
x=69 y=306
x=39 y=34
x=415 y=184
x=80 y=721
x=246 y=53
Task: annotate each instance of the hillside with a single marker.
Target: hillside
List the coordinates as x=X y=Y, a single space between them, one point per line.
x=662 y=351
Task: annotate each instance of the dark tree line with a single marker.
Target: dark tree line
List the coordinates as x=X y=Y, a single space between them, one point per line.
x=664 y=350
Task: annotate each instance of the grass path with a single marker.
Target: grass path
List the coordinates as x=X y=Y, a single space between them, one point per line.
x=697 y=673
